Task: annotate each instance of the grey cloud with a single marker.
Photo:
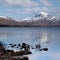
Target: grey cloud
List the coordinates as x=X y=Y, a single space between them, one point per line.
x=57 y=10
x=27 y=10
x=23 y=3
x=2 y=3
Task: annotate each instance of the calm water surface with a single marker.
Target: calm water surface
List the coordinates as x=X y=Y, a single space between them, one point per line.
x=46 y=36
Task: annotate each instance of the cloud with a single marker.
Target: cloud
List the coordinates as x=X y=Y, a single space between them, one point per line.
x=54 y=11
x=46 y=3
x=27 y=12
x=2 y=3
x=57 y=10
x=31 y=7
x=28 y=7
x=35 y=10
x=23 y=3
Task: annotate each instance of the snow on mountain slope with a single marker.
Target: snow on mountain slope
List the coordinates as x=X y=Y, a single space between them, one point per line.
x=3 y=17
x=44 y=15
x=6 y=18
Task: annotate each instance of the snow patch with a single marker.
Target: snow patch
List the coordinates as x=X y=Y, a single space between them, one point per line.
x=3 y=17
x=44 y=14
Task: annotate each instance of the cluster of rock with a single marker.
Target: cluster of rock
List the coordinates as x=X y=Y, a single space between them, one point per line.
x=7 y=54
x=11 y=55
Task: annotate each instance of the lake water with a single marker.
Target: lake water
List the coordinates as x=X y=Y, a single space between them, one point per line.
x=45 y=36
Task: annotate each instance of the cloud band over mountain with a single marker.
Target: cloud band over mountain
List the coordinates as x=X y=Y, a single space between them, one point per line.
x=27 y=8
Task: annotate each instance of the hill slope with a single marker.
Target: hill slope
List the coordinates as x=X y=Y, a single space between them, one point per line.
x=40 y=20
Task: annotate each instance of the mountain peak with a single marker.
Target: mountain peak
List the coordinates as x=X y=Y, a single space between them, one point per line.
x=44 y=14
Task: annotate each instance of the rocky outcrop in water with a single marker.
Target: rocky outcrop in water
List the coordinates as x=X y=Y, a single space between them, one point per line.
x=11 y=55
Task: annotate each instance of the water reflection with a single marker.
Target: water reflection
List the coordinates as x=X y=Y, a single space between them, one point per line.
x=5 y=35
x=48 y=37
x=31 y=36
x=44 y=37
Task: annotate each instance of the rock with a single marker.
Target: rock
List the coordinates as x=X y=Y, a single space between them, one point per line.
x=25 y=58
x=45 y=49
x=20 y=53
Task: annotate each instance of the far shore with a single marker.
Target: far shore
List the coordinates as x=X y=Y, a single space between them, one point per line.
x=24 y=26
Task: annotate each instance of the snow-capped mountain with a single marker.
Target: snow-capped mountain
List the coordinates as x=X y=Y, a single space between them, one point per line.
x=44 y=15
x=44 y=19
x=7 y=21
x=41 y=19
x=6 y=17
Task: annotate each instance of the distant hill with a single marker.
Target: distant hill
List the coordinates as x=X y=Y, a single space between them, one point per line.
x=7 y=21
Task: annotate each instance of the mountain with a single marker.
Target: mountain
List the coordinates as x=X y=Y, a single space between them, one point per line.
x=44 y=15
x=42 y=19
x=7 y=21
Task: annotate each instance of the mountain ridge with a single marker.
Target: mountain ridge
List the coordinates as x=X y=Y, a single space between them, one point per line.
x=40 y=20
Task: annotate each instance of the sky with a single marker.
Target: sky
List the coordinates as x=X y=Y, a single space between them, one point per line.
x=20 y=9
